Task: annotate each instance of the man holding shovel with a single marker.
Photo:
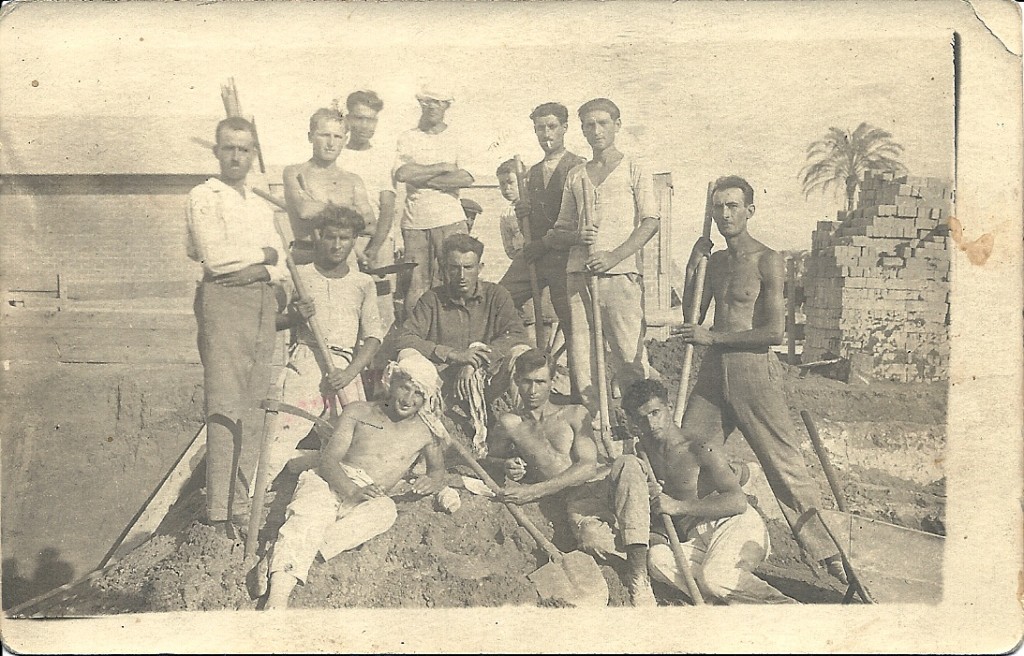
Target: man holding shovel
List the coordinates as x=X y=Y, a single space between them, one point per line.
x=546 y=449
x=231 y=233
x=345 y=302
x=625 y=217
x=739 y=384
x=723 y=538
x=544 y=184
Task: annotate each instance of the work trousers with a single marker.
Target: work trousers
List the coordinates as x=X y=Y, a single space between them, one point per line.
x=550 y=276
x=315 y=521
x=236 y=338
x=622 y=319
x=612 y=513
x=424 y=248
x=303 y=387
x=722 y=553
x=743 y=389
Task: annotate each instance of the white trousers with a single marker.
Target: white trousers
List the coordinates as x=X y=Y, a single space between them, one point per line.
x=722 y=554
x=315 y=521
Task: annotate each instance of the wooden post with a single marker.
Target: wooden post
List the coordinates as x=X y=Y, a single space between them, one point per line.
x=791 y=309
x=657 y=261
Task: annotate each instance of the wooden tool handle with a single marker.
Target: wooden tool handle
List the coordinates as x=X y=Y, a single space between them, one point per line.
x=673 y=540
x=692 y=314
x=260 y=492
x=598 y=333
x=300 y=289
x=826 y=463
x=516 y=511
x=538 y=308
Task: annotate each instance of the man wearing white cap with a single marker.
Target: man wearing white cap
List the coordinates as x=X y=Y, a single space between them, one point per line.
x=429 y=163
x=344 y=502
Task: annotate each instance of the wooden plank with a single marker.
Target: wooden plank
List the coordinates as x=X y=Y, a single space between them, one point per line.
x=167 y=493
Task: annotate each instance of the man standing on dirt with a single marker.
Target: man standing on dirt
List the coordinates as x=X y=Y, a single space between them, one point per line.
x=231 y=233
x=625 y=217
x=429 y=163
x=470 y=330
x=740 y=383
x=544 y=185
x=310 y=186
x=552 y=449
x=723 y=538
x=345 y=502
x=373 y=167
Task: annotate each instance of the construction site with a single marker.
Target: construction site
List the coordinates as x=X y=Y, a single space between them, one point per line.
x=103 y=392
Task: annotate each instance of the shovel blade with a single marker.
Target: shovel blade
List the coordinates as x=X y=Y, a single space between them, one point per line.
x=574 y=578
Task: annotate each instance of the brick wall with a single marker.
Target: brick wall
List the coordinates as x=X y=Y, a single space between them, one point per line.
x=877 y=282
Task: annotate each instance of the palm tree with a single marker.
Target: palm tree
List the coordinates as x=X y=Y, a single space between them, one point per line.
x=844 y=156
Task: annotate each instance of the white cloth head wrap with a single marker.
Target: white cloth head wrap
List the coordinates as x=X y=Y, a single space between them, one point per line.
x=423 y=375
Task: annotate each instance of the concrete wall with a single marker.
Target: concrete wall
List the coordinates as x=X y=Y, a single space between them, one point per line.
x=105 y=236
x=877 y=282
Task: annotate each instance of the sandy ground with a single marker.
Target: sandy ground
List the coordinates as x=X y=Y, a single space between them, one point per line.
x=886 y=441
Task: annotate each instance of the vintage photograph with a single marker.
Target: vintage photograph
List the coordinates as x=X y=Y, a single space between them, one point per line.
x=474 y=305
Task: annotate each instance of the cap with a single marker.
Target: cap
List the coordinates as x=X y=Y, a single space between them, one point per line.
x=429 y=91
x=471 y=206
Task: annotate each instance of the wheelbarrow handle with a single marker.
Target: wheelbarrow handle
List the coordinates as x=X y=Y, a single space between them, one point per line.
x=553 y=553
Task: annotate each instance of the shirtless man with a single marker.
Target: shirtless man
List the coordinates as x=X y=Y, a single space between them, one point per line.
x=739 y=384
x=722 y=537
x=546 y=449
x=310 y=186
x=343 y=502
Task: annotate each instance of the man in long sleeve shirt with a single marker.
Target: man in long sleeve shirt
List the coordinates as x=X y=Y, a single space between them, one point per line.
x=625 y=217
x=231 y=233
x=469 y=329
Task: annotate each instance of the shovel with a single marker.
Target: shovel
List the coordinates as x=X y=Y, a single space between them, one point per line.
x=573 y=577
x=388 y=269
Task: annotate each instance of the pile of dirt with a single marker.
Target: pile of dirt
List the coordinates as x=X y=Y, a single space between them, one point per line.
x=886 y=442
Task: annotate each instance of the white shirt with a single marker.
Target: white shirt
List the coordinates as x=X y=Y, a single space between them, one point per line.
x=373 y=167
x=346 y=308
x=621 y=202
x=228 y=232
x=429 y=208
x=511 y=235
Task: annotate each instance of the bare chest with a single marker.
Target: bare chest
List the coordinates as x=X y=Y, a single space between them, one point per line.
x=735 y=280
x=333 y=186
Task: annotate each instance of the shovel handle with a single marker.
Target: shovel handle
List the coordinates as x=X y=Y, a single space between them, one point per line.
x=673 y=539
x=694 y=311
x=538 y=309
x=598 y=338
x=260 y=493
x=826 y=463
x=517 y=512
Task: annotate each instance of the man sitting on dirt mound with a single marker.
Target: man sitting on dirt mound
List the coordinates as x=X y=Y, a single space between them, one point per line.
x=345 y=502
x=470 y=329
x=552 y=448
x=724 y=539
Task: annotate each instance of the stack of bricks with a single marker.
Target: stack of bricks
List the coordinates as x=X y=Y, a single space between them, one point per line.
x=877 y=282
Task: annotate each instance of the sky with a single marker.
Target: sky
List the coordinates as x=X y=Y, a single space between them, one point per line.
x=705 y=90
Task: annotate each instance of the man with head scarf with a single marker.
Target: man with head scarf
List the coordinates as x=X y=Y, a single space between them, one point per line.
x=344 y=502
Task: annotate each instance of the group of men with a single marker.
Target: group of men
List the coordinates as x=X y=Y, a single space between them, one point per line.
x=461 y=342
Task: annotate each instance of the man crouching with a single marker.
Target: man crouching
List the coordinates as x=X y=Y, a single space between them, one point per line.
x=344 y=502
x=551 y=448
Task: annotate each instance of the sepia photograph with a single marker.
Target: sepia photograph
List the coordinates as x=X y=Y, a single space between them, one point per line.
x=317 y=315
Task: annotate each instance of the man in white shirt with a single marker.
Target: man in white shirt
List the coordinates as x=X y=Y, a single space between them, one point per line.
x=373 y=166
x=625 y=217
x=429 y=164
x=231 y=233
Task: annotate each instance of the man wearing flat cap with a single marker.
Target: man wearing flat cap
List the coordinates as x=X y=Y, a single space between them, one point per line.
x=471 y=209
x=429 y=163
